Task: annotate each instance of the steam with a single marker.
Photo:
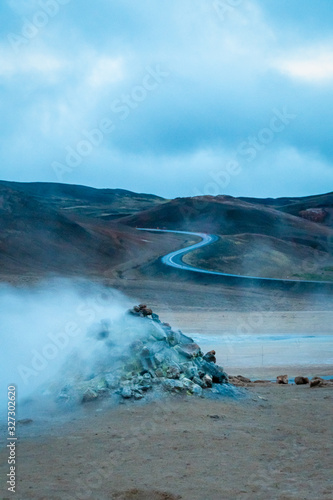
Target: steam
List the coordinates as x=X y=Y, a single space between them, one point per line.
x=59 y=330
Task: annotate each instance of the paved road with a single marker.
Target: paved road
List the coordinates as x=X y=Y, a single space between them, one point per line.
x=175 y=259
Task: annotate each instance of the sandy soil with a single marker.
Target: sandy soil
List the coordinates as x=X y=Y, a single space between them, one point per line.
x=275 y=443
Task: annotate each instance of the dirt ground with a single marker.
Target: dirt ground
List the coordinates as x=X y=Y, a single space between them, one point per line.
x=273 y=443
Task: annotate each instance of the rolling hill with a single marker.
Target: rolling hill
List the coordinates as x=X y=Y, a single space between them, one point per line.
x=67 y=229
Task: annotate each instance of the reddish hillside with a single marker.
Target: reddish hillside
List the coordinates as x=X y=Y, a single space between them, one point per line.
x=34 y=236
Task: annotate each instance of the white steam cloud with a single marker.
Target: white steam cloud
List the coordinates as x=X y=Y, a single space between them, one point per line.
x=57 y=329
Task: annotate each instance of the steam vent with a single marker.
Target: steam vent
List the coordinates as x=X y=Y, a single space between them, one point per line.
x=158 y=361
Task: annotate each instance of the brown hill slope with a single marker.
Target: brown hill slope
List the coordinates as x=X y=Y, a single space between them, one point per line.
x=225 y=215
x=36 y=237
x=255 y=240
x=83 y=201
x=318 y=208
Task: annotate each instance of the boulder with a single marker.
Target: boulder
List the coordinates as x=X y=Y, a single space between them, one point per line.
x=282 y=379
x=301 y=380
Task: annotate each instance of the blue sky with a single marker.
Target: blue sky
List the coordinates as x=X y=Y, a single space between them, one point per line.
x=175 y=98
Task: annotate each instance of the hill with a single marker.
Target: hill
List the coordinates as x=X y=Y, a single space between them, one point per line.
x=255 y=239
x=317 y=208
x=82 y=201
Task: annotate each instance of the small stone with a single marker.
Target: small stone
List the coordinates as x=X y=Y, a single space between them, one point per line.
x=282 y=379
x=174 y=385
x=301 y=380
x=126 y=393
x=159 y=372
x=316 y=382
x=207 y=380
x=89 y=395
x=172 y=372
x=216 y=372
x=210 y=356
x=196 y=390
x=243 y=379
x=189 y=350
x=200 y=382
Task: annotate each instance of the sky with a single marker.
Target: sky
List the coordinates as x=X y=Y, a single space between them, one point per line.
x=175 y=98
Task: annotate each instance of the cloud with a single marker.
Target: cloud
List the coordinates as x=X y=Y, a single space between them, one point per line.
x=227 y=70
x=106 y=71
x=313 y=65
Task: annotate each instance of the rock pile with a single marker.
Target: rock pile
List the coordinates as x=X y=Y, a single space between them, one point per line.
x=159 y=359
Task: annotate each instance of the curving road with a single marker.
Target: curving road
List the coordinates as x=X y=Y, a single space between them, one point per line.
x=175 y=259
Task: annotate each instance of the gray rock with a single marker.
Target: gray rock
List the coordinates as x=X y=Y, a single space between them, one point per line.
x=173 y=372
x=196 y=390
x=207 y=379
x=89 y=395
x=200 y=382
x=126 y=393
x=173 y=385
x=215 y=372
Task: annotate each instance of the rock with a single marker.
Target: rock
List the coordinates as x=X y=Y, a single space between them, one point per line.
x=210 y=356
x=282 y=379
x=191 y=372
x=199 y=381
x=142 y=306
x=155 y=317
x=146 y=311
x=301 y=380
x=207 y=379
x=216 y=372
x=189 y=350
x=89 y=395
x=243 y=379
x=137 y=395
x=126 y=393
x=157 y=332
x=173 y=385
x=196 y=390
x=317 y=382
x=173 y=372
x=159 y=372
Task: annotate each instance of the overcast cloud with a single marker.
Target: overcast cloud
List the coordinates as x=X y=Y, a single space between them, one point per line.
x=176 y=98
